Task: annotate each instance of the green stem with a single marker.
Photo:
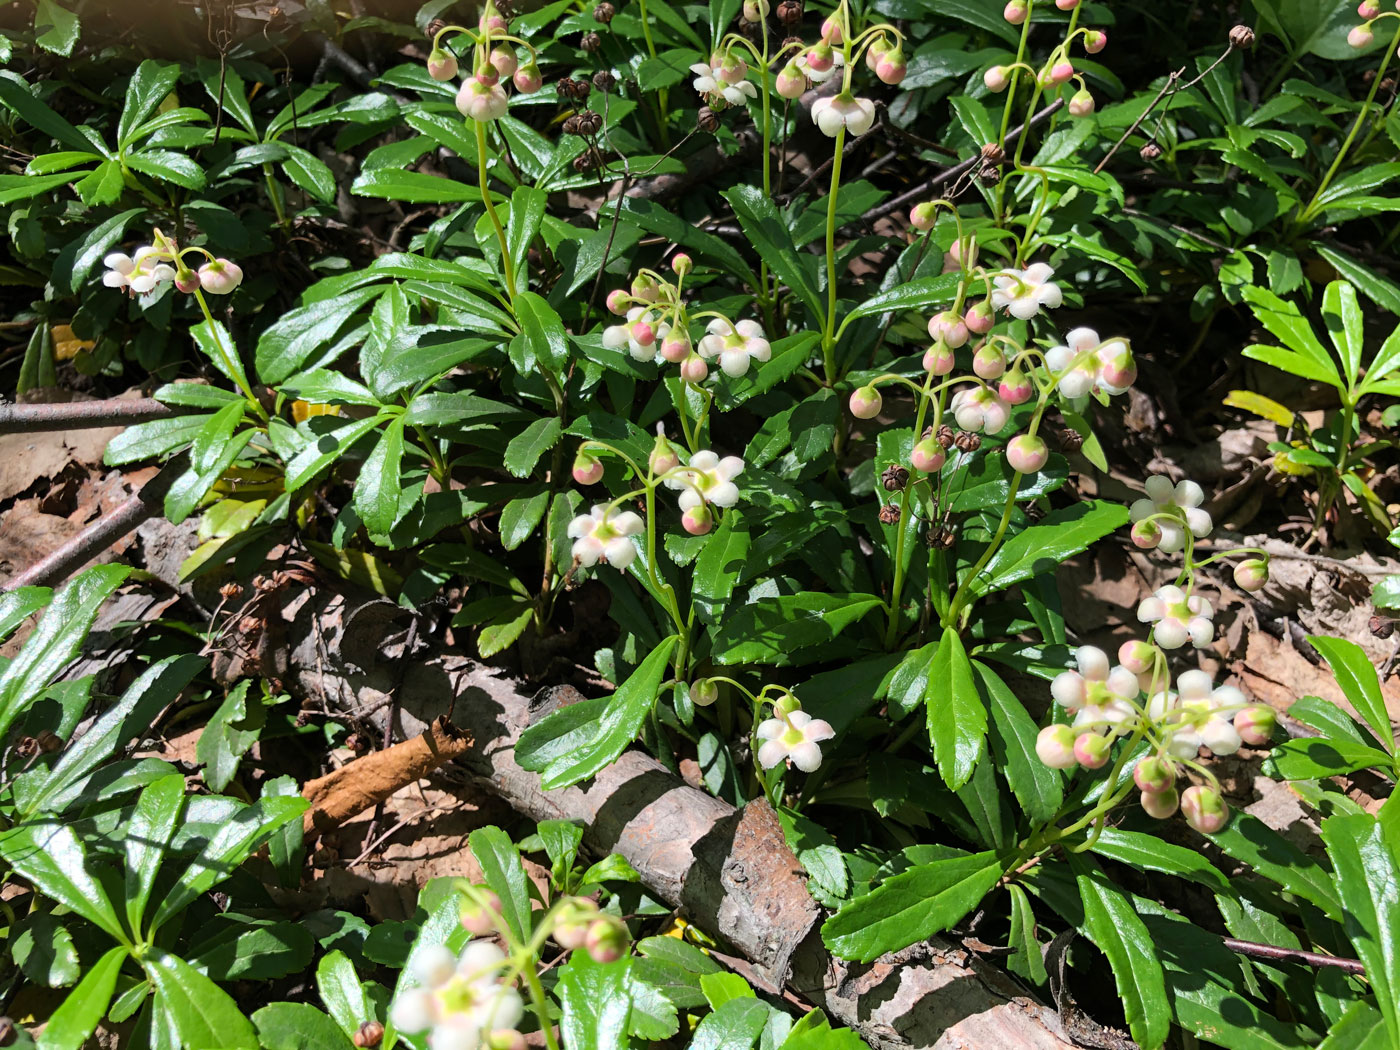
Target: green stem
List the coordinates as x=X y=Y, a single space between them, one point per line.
x=829 y=336
x=275 y=196
x=507 y=266
x=1011 y=96
x=892 y=627
x=541 y=1006
x=232 y=365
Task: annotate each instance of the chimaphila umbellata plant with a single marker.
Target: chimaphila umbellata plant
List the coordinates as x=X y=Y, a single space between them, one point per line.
x=814 y=460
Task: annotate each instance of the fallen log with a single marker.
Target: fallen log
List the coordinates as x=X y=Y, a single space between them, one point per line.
x=729 y=871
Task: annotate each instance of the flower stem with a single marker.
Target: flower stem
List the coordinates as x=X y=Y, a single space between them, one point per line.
x=507 y=266
x=829 y=336
x=232 y=366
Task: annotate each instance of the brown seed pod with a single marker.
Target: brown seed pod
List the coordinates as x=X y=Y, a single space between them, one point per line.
x=370 y=1033
x=889 y=514
x=1150 y=152
x=590 y=123
x=894 y=478
x=590 y=42
x=572 y=125
x=604 y=12
x=604 y=81
x=941 y=538
x=790 y=12
x=1242 y=37
x=989 y=175
x=434 y=27
x=27 y=747
x=966 y=441
x=1381 y=627
x=707 y=120
x=357 y=743
x=945 y=436
x=229 y=591
x=992 y=153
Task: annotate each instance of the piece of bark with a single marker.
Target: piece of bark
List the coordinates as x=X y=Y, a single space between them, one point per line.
x=729 y=871
x=368 y=781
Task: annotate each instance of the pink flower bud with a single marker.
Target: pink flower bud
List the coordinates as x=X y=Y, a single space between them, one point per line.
x=1066 y=5
x=492 y=23
x=939 y=360
x=642 y=333
x=694 y=370
x=1204 y=809
x=645 y=287
x=928 y=456
x=1016 y=387
x=877 y=50
x=698 y=520
x=820 y=58
x=528 y=79
x=1061 y=72
x=980 y=318
x=503 y=58
x=892 y=68
x=1055 y=747
x=953 y=258
x=617 y=301
x=1360 y=37
x=996 y=79
x=1251 y=575
x=989 y=362
x=1138 y=657
x=1027 y=453
x=1255 y=725
x=948 y=327
x=478 y=919
x=785 y=705
x=831 y=31
x=1091 y=750
x=866 y=402
x=922 y=216
x=1095 y=40
x=588 y=469
x=676 y=347
x=220 y=276
x=1160 y=804
x=682 y=264
x=1154 y=775
x=441 y=65
x=663 y=457
x=1146 y=535
x=1015 y=12
x=1081 y=103
x=703 y=692
x=187 y=281
x=791 y=83
x=575 y=917
x=1369 y=9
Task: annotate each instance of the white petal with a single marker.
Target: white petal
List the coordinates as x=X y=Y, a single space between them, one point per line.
x=1170 y=634
x=1202 y=631
x=1220 y=736
x=771 y=754
x=1173 y=536
x=434 y=965
x=412 y=1011
x=1193 y=685
x=725 y=494
x=119 y=261
x=1092 y=661
x=620 y=552
x=1024 y=308
x=729 y=467
x=1122 y=682
x=1068 y=688
x=771 y=729
x=704 y=460
x=818 y=729
x=734 y=363
x=806 y=756
x=1198 y=521
x=1188 y=494
x=1150 y=609
x=115 y=279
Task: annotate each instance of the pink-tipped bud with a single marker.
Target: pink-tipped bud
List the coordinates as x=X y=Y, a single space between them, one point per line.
x=922 y=216
x=1091 y=750
x=503 y=58
x=442 y=65
x=588 y=469
x=492 y=23
x=948 y=327
x=1360 y=37
x=575 y=916
x=877 y=50
x=866 y=402
x=996 y=79
x=676 y=347
x=617 y=301
x=1027 y=453
x=681 y=264
x=187 y=281
x=1369 y=8
x=1081 y=103
x=1255 y=725
x=820 y=58
x=1204 y=809
x=892 y=68
x=644 y=286
x=1061 y=72
x=663 y=457
x=989 y=362
x=1095 y=40
x=1015 y=12
x=831 y=31
x=980 y=318
x=703 y=692
x=694 y=370
x=1252 y=574
x=480 y=919
x=487 y=75
x=1066 y=5
x=939 y=360
x=928 y=456
x=698 y=520
x=1055 y=747
x=1146 y=535
x=1160 y=804
x=220 y=276
x=642 y=333
x=528 y=79
x=1137 y=656
x=790 y=82
x=1016 y=387
x=1154 y=774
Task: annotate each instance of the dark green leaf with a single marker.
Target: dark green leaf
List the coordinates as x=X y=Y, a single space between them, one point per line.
x=72 y=1024
x=227 y=736
x=957 y=714
x=768 y=233
x=595 y=1004
x=719 y=567
x=775 y=630
x=54 y=859
x=297 y=1026
x=1358 y=680
x=503 y=872
x=344 y=995
x=379 y=487
x=1037 y=787
x=203 y=1014
x=526 y=448
x=1043 y=546
x=148 y=834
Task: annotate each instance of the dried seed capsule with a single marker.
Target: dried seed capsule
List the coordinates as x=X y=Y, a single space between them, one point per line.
x=604 y=12
x=790 y=12
x=990 y=175
x=370 y=1033
x=356 y=742
x=435 y=26
x=229 y=591
x=889 y=514
x=942 y=538
x=604 y=81
x=27 y=747
x=966 y=441
x=590 y=42
x=894 y=478
x=590 y=122
x=1381 y=627
x=572 y=126
x=1150 y=152
x=707 y=120
x=992 y=153
x=1242 y=37
x=946 y=435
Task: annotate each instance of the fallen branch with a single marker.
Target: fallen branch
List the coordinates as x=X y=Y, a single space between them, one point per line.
x=729 y=871
x=68 y=415
x=1274 y=953
x=368 y=781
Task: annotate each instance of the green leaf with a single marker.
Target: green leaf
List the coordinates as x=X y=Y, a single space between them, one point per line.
x=1041 y=547
x=527 y=205
x=1358 y=681
x=101 y=186
x=521 y=517
x=412 y=187
x=193 y=485
x=297 y=1026
x=211 y=440
x=1150 y=853
x=654 y=218
x=920 y=294
x=957 y=715
x=1313 y=758
x=774 y=630
x=1309 y=358
x=379 y=486
x=203 y=1015
x=319 y=454
x=321 y=386
x=150 y=440
x=90 y=249
x=56 y=28
x=1368 y=879
x=526 y=448
x=227 y=736
x=735 y=1025
x=299 y=334
x=653 y=1016
x=1111 y=923
x=504 y=874
x=37 y=370
x=561 y=839
x=594 y=1003
x=54 y=859
x=719 y=567
x=345 y=997
x=217 y=346
x=1342 y=315
x=43 y=949
x=18 y=96
x=1248 y=839
x=1362 y=1027
x=147 y=836
x=543 y=332
x=145 y=91
x=1380 y=291
x=618 y=726
x=504 y=630
x=287 y=848
x=244 y=950
x=1037 y=787
x=768 y=233
x=72 y=1024
x=814 y=1032
x=720 y=988
x=309 y=172
x=1028 y=961
x=911 y=907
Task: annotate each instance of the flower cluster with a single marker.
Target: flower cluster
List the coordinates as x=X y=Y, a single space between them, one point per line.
x=603 y=536
x=1363 y=36
x=1087 y=364
x=1130 y=699
x=461 y=1001
x=1168 y=513
x=152 y=265
x=723 y=80
x=883 y=47
x=482 y=97
x=1058 y=70
x=707 y=480
x=793 y=737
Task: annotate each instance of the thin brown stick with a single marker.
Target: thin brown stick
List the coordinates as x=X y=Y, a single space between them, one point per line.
x=1274 y=953
x=70 y=415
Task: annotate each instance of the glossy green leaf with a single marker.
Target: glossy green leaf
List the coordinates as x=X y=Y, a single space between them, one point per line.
x=342 y=992
x=145 y=90
x=1027 y=960
x=1309 y=358
x=768 y=233
x=228 y=735
x=525 y=449
x=299 y=334
x=1358 y=680
x=42 y=948
x=1249 y=839
x=957 y=714
x=527 y=206
x=775 y=630
x=55 y=860
x=379 y=487
x=297 y=1026
x=922 y=294
x=521 y=517
x=1362 y=1027
x=203 y=1015
x=18 y=96
x=1041 y=547
x=1151 y=853
x=71 y=1025
x=543 y=332
x=148 y=834
x=735 y=1025
x=719 y=567
x=56 y=28
x=594 y=1003
x=1038 y=788
x=1342 y=316
x=1313 y=758
x=504 y=873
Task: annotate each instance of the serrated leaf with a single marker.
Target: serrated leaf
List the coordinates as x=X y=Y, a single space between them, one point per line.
x=957 y=715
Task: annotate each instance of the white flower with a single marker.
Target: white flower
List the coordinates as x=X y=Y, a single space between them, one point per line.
x=723 y=77
x=856 y=115
x=736 y=345
x=1198 y=714
x=1094 y=685
x=140 y=273
x=481 y=100
x=707 y=479
x=794 y=737
x=642 y=335
x=979 y=408
x=1024 y=292
x=818 y=76
x=600 y=536
x=1178 y=618
x=1182 y=502
x=1090 y=363
x=459 y=999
